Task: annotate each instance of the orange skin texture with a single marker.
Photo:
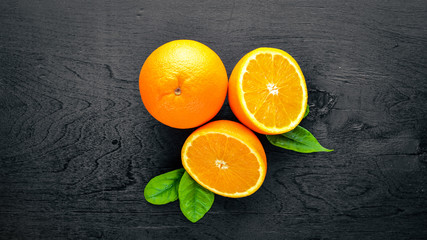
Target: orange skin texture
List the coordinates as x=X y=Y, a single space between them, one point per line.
x=183 y=84
x=237 y=131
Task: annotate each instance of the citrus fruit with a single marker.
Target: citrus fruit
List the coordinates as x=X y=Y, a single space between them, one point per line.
x=267 y=91
x=183 y=83
x=226 y=158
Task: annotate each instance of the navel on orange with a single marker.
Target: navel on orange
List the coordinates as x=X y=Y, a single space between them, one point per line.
x=183 y=84
x=267 y=91
x=226 y=158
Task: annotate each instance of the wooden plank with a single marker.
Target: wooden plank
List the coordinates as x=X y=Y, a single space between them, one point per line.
x=77 y=146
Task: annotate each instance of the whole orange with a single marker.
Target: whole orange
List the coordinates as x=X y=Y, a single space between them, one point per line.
x=183 y=84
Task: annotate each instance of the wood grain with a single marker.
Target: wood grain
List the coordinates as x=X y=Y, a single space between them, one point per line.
x=77 y=146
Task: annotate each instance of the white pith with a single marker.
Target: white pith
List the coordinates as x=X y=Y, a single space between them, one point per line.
x=221 y=164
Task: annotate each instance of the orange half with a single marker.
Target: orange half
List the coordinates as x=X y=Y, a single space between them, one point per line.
x=226 y=158
x=267 y=91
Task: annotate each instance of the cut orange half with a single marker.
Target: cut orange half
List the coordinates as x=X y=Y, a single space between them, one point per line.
x=267 y=91
x=226 y=158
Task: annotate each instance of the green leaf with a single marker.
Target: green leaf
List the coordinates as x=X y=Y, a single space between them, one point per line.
x=307 y=110
x=163 y=188
x=298 y=140
x=194 y=200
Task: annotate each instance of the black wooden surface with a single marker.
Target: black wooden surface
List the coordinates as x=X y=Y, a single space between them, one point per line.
x=77 y=146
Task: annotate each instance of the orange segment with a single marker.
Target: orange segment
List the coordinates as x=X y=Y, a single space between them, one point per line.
x=267 y=91
x=226 y=158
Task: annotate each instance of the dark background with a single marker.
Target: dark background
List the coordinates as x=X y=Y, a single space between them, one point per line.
x=77 y=146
